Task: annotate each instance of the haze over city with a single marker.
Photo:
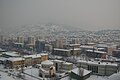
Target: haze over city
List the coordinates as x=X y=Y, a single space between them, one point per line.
x=59 y=39
x=83 y=14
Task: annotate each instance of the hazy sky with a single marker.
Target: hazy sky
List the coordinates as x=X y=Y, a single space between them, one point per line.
x=86 y=14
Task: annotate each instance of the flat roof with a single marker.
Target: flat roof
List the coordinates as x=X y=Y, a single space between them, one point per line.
x=13 y=54
x=90 y=43
x=47 y=62
x=32 y=56
x=61 y=49
x=85 y=46
x=19 y=43
x=96 y=63
x=102 y=52
x=74 y=44
x=85 y=72
x=101 y=48
x=76 y=49
x=43 y=54
x=68 y=63
x=15 y=59
x=58 y=60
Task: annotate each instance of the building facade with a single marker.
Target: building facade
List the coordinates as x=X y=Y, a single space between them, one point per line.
x=99 y=68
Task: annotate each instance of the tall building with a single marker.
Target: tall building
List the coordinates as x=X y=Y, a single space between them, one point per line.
x=59 y=43
x=31 y=40
x=20 y=39
x=40 y=45
x=75 y=41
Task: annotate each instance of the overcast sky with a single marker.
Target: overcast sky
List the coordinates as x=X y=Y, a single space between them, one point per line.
x=86 y=14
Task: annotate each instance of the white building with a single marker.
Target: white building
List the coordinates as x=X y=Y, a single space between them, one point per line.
x=20 y=39
x=62 y=65
x=100 y=68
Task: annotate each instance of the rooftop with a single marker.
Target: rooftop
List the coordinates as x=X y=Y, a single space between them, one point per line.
x=32 y=56
x=85 y=46
x=13 y=54
x=67 y=63
x=58 y=60
x=97 y=63
x=16 y=59
x=19 y=43
x=76 y=71
x=101 y=52
x=47 y=62
x=74 y=44
x=61 y=49
x=76 y=49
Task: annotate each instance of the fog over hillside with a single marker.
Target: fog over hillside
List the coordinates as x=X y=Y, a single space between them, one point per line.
x=83 y=14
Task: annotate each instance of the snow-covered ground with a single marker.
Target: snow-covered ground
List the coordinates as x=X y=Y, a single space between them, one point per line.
x=4 y=76
x=32 y=71
x=95 y=77
x=33 y=74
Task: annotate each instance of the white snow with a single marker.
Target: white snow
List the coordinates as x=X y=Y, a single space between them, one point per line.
x=47 y=62
x=94 y=77
x=76 y=71
x=4 y=76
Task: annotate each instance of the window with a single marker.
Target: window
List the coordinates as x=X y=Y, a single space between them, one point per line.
x=94 y=69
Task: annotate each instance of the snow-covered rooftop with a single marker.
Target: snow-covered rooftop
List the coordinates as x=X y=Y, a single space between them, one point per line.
x=43 y=54
x=101 y=52
x=67 y=63
x=97 y=63
x=74 y=44
x=32 y=56
x=85 y=46
x=19 y=43
x=76 y=49
x=15 y=59
x=90 y=43
x=47 y=62
x=13 y=54
x=58 y=60
x=76 y=71
x=61 y=49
